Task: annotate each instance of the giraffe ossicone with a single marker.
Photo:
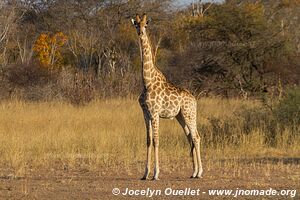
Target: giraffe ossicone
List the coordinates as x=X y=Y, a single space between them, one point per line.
x=161 y=99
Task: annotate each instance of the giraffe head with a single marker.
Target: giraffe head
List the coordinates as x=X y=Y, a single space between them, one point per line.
x=140 y=24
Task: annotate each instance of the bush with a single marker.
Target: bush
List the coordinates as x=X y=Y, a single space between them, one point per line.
x=28 y=75
x=284 y=117
x=29 y=82
x=260 y=119
x=287 y=111
x=78 y=87
x=272 y=120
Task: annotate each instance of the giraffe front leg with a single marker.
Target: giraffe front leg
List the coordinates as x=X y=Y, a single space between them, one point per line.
x=200 y=170
x=149 y=146
x=155 y=127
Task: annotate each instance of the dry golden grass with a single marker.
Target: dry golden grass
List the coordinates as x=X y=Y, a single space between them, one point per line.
x=107 y=133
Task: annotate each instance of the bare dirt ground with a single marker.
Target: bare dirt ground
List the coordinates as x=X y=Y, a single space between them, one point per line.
x=98 y=184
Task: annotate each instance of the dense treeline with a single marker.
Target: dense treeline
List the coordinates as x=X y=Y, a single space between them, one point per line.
x=80 y=50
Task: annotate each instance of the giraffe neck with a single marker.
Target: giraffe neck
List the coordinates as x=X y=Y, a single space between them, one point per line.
x=149 y=71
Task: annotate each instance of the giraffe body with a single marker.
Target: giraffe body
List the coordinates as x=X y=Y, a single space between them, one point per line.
x=167 y=102
x=161 y=99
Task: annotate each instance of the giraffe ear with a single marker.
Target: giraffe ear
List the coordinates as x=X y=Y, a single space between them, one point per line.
x=133 y=22
x=144 y=18
x=138 y=19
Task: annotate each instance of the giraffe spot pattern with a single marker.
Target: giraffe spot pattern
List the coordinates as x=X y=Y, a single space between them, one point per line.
x=161 y=97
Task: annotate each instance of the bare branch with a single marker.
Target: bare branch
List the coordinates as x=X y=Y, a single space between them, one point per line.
x=156 y=49
x=211 y=3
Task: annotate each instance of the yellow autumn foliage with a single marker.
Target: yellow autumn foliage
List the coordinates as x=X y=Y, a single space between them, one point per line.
x=48 y=48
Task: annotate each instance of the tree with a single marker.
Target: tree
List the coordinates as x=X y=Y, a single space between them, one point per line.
x=48 y=49
x=234 y=47
x=7 y=24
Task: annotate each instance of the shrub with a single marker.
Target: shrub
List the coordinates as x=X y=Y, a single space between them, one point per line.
x=78 y=87
x=21 y=75
x=287 y=111
x=29 y=81
x=284 y=117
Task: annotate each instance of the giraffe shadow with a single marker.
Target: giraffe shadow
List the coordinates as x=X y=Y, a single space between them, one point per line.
x=265 y=160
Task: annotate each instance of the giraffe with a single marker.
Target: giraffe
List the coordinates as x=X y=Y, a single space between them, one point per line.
x=161 y=99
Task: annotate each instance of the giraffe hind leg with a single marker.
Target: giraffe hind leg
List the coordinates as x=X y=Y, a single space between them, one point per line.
x=181 y=121
x=189 y=116
x=196 y=151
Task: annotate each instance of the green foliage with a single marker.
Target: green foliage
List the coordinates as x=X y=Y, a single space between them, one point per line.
x=232 y=130
x=234 y=47
x=282 y=118
x=287 y=110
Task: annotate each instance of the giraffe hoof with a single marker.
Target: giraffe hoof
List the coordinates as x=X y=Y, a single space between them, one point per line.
x=155 y=179
x=144 y=178
x=192 y=177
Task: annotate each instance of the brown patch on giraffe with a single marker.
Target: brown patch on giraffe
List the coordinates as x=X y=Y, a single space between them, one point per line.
x=172 y=103
x=152 y=102
x=158 y=97
x=147 y=73
x=146 y=68
x=152 y=95
x=172 y=97
x=147 y=57
x=168 y=92
x=160 y=84
x=147 y=79
x=167 y=99
x=185 y=106
x=155 y=87
x=159 y=90
x=176 y=102
x=147 y=51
